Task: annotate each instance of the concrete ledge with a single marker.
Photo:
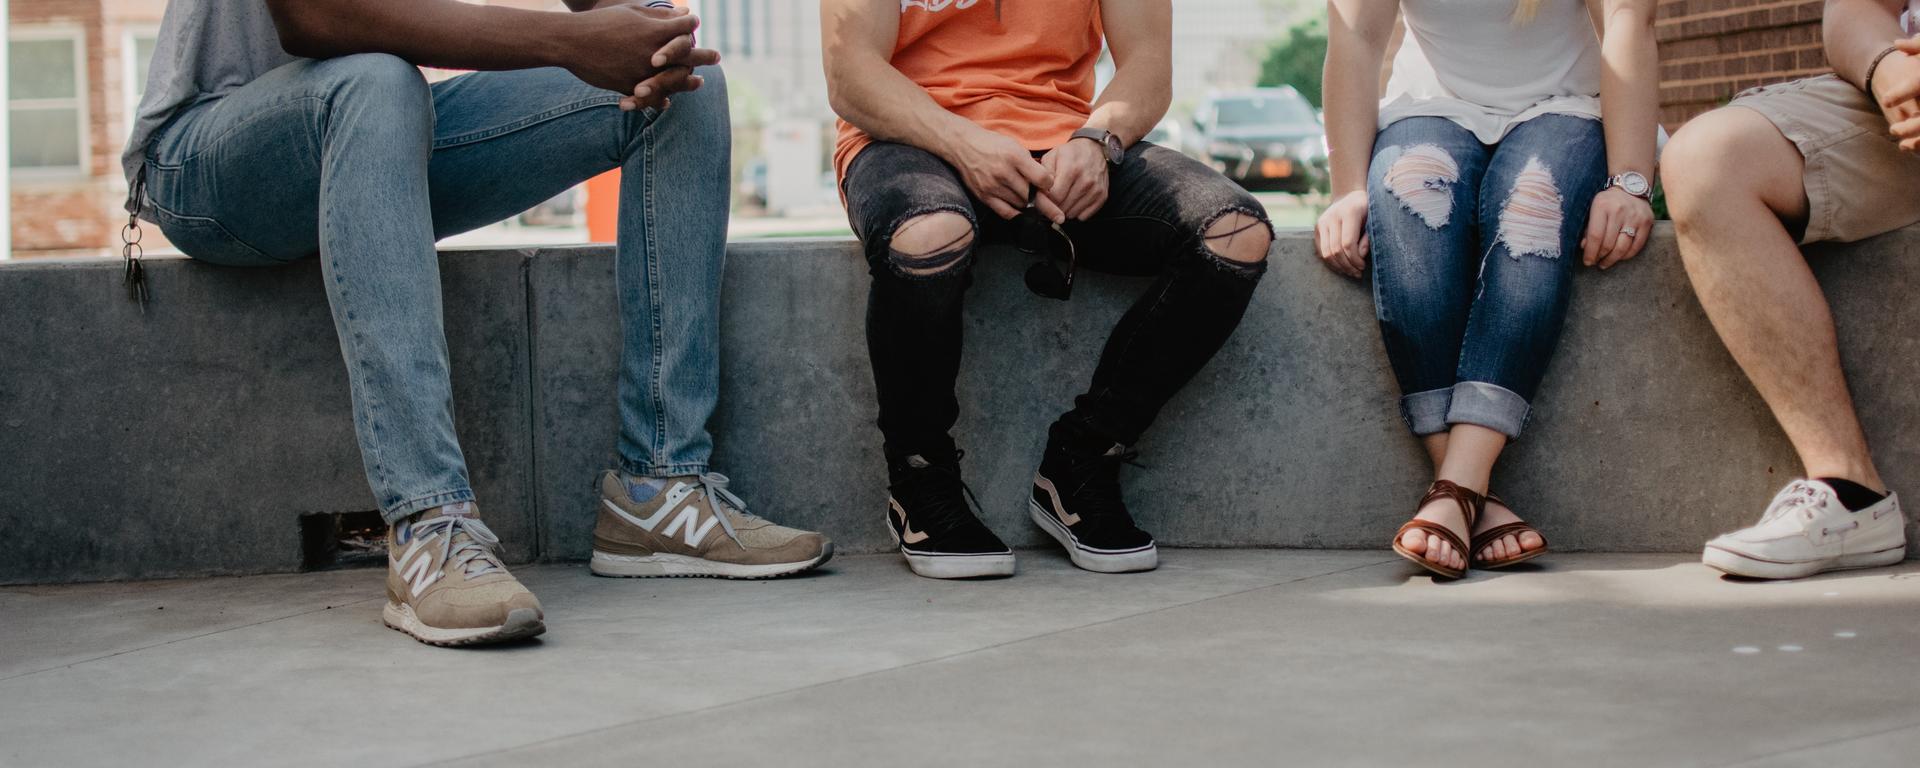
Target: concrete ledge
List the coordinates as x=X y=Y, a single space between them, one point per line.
x=190 y=439
x=187 y=441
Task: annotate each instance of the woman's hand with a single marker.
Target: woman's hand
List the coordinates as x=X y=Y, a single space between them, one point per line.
x=1340 y=236
x=1617 y=230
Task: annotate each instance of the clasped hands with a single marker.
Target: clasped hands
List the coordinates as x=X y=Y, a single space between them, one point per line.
x=615 y=29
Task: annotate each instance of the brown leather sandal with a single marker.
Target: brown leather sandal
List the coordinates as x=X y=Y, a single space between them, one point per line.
x=1470 y=505
x=1491 y=535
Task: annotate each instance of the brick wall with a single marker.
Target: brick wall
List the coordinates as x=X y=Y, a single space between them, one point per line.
x=1713 y=49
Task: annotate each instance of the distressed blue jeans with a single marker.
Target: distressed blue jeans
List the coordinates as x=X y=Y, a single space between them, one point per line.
x=1474 y=248
x=360 y=160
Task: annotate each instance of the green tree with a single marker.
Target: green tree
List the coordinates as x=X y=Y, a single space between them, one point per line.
x=1297 y=59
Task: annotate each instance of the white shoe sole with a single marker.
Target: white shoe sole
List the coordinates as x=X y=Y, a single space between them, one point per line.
x=521 y=624
x=1734 y=563
x=663 y=565
x=956 y=566
x=1088 y=558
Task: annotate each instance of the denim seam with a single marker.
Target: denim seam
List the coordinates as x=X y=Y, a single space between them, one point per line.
x=365 y=392
x=527 y=122
x=401 y=510
x=658 y=340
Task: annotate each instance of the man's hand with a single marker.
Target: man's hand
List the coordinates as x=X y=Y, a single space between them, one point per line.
x=1340 y=237
x=1614 y=214
x=1079 y=169
x=676 y=76
x=1001 y=173
x=1897 y=90
x=615 y=37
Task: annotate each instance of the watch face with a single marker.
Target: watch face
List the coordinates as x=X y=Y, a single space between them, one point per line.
x=1634 y=183
x=1115 y=152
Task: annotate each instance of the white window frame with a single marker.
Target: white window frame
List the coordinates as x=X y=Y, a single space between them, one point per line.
x=130 y=83
x=78 y=35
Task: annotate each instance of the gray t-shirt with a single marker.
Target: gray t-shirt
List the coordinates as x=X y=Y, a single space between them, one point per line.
x=206 y=48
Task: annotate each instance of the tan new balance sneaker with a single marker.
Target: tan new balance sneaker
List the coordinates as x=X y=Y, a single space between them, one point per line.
x=691 y=526
x=446 y=587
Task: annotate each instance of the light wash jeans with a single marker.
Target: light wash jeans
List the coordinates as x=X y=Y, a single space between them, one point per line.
x=1474 y=248
x=360 y=160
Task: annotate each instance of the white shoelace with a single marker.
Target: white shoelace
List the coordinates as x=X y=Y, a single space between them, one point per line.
x=1801 y=496
x=473 y=555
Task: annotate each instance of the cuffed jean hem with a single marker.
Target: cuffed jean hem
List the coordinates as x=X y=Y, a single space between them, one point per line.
x=398 y=512
x=1426 y=412
x=666 y=470
x=1489 y=405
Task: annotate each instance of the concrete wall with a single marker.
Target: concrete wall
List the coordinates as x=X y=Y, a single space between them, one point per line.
x=189 y=440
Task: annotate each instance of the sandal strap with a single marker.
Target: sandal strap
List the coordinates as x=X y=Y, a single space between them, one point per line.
x=1495 y=533
x=1470 y=503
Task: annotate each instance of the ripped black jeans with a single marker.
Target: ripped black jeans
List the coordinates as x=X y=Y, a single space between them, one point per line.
x=1160 y=207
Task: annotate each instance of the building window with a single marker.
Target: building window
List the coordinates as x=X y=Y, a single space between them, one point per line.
x=46 y=100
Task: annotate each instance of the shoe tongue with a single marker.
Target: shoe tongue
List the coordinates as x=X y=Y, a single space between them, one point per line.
x=465 y=509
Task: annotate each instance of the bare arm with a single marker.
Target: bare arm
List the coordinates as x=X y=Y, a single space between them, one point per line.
x=1629 y=83
x=857 y=39
x=865 y=89
x=1140 y=35
x=612 y=47
x=1619 y=224
x=1855 y=31
x=1357 y=35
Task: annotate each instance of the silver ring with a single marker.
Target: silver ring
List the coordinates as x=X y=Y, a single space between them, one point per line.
x=1629 y=231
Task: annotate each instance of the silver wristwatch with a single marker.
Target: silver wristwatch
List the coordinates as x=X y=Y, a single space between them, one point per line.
x=1631 y=183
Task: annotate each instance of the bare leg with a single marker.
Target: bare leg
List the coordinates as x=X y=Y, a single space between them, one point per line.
x=1496 y=514
x=1733 y=181
x=1470 y=452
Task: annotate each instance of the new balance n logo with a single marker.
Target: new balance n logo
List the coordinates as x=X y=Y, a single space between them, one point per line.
x=685 y=522
x=416 y=567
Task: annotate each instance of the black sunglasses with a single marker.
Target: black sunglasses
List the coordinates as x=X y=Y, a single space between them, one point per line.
x=1039 y=237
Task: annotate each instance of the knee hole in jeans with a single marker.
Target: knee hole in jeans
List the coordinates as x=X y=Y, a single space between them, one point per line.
x=1240 y=237
x=930 y=244
x=1422 y=179
x=1530 y=221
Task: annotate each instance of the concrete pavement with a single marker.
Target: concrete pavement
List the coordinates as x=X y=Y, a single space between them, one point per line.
x=1222 y=657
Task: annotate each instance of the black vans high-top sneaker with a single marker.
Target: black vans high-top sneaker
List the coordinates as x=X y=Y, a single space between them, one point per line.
x=1076 y=500
x=929 y=514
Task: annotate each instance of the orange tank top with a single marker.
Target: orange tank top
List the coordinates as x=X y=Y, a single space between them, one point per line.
x=1023 y=68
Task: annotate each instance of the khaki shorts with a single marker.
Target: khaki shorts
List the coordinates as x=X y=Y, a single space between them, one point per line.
x=1859 y=182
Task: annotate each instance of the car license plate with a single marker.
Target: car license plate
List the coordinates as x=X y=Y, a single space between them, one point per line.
x=1276 y=167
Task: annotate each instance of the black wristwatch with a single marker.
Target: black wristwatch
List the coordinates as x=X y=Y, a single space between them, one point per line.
x=1116 y=152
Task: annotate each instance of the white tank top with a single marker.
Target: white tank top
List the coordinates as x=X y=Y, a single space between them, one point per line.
x=1469 y=62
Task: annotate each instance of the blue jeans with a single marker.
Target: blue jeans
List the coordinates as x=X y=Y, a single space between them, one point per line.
x=360 y=160
x=1474 y=248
